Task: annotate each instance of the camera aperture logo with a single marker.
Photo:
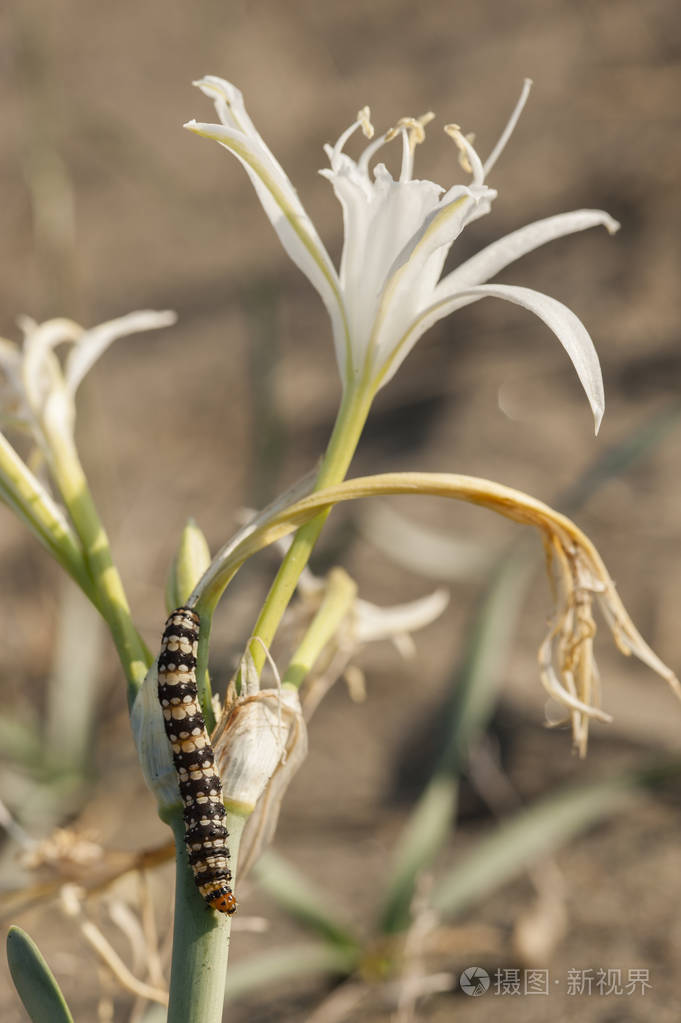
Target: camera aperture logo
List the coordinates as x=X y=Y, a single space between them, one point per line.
x=474 y=981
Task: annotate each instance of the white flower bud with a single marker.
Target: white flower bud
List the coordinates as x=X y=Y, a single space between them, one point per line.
x=153 y=748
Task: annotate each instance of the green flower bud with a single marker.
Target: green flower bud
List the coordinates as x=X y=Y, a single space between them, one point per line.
x=189 y=564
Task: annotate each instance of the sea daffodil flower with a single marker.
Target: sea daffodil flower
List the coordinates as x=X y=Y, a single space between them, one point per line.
x=398 y=232
x=38 y=394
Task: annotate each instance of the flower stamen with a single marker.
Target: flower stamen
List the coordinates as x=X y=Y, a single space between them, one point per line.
x=468 y=158
x=414 y=128
x=368 y=153
x=510 y=127
x=363 y=122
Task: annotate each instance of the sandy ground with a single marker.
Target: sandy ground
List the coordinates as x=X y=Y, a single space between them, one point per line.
x=108 y=206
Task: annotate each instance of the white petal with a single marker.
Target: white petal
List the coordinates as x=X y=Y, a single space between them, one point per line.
x=41 y=370
x=287 y=215
x=229 y=104
x=441 y=227
x=374 y=623
x=379 y=224
x=414 y=273
x=567 y=327
x=95 y=342
x=492 y=259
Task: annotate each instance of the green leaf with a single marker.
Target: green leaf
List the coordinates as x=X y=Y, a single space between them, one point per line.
x=472 y=702
x=539 y=830
x=34 y=980
x=302 y=900
x=261 y=972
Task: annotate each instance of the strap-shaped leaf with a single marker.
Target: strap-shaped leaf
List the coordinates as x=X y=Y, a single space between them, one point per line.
x=539 y=830
x=34 y=980
x=301 y=899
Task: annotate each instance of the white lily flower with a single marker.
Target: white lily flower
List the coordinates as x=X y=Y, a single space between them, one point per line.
x=398 y=233
x=39 y=391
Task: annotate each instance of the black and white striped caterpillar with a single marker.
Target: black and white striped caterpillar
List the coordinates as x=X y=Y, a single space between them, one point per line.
x=200 y=787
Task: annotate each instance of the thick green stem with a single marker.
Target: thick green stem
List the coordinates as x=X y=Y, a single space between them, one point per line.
x=200 y=939
x=347 y=430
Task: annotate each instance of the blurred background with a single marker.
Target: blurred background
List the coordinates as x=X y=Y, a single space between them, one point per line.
x=109 y=206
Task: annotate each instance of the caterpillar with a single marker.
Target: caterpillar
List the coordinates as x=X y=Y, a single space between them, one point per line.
x=200 y=787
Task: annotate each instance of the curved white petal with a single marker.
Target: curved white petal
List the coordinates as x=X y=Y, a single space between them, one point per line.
x=440 y=228
x=231 y=109
x=95 y=341
x=500 y=254
x=567 y=327
x=414 y=273
x=286 y=213
x=379 y=222
x=372 y=623
x=41 y=371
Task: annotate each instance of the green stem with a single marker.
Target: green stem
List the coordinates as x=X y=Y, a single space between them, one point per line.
x=347 y=430
x=111 y=598
x=200 y=938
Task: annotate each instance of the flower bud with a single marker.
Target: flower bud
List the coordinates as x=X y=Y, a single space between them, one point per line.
x=190 y=562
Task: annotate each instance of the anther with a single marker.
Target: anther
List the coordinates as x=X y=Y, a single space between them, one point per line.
x=463 y=144
x=364 y=121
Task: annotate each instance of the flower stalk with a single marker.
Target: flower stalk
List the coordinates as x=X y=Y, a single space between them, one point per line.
x=349 y=424
x=108 y=585
x=29 y=499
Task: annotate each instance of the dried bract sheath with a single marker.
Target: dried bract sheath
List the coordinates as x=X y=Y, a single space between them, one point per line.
x=260 y=742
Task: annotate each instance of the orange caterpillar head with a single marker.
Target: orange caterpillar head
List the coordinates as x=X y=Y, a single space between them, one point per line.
x=223 y=900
